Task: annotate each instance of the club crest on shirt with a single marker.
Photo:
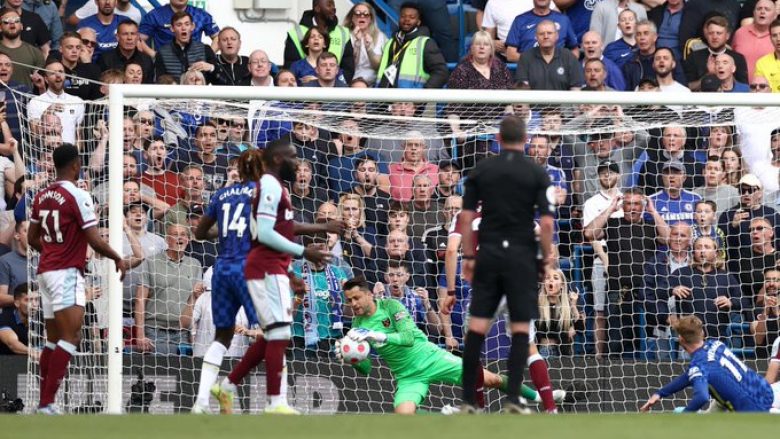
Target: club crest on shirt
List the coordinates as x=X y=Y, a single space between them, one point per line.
x=386 y=323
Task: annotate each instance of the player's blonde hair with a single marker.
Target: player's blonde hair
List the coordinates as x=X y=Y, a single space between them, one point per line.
x=690 y=328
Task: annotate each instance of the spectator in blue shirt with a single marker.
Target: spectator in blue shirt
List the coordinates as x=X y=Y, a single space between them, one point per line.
x=522 y=34
x=593 y=48
x=105 y=24
x=157 y=26
x=673 y=202
x=579 y=13
x=667 y=18
x=622 y=50
x=725 y=68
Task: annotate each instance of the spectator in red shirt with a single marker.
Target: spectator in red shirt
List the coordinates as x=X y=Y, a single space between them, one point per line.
x=412 y=163
x=164 y=182
x=752 y=40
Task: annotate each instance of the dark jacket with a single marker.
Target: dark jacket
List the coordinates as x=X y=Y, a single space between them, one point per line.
x=650 y=177
x=641 y=67
x=113 y=59
x=656 y=15
x=237 y=73
x=174 y=60
x=704 y=289
x=291 y=53
x=696 y=65
x=433 y=62
x=657 y=290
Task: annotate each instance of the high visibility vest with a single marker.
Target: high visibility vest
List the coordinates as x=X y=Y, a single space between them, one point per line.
x=339 y=37
x=411 y=68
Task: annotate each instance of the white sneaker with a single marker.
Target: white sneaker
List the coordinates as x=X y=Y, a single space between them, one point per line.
x=50 y=410
x=281 y=409
x=450 y=410
x=198 y=409
x=559 y=395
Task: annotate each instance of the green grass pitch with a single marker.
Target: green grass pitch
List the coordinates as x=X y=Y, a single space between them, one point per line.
x=594 y=426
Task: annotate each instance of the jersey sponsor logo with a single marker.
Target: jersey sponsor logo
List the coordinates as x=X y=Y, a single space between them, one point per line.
x=386 y=323
x=399 y=315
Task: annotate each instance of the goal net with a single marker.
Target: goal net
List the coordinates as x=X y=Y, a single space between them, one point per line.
x=392 y=166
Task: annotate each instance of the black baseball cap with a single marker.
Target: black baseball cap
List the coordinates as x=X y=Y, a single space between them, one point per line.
x=710 y=83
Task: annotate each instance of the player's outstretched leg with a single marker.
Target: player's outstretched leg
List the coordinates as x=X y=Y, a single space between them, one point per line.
x=212 y=362
x=537 y=368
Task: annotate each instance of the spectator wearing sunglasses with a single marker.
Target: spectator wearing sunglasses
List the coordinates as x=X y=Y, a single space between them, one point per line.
x=12 y=44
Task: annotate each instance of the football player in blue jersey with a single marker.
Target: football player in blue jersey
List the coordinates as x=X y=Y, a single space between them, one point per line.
x=714 y=371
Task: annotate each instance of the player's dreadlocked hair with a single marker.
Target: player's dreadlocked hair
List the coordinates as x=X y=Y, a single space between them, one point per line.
x=250 y=165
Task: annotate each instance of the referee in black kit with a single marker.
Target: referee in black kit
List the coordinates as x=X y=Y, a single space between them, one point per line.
x=511 y=189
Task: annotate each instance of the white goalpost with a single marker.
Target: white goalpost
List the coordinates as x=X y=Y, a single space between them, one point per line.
x=456 y=126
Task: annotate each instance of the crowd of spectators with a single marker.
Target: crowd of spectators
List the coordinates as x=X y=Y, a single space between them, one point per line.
x=676 y=215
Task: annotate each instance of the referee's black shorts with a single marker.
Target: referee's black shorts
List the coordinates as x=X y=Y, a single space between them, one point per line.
x=510 y=271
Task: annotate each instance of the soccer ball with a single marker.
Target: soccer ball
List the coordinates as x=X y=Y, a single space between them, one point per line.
x=353 y=351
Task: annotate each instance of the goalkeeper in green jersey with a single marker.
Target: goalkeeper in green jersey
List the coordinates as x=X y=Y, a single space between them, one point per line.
x=415 y=362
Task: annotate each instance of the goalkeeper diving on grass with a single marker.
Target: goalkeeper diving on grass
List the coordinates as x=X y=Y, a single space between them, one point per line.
x=714 y=371
x=415 y=362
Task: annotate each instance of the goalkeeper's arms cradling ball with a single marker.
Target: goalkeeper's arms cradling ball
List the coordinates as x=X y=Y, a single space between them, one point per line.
x=414 y=362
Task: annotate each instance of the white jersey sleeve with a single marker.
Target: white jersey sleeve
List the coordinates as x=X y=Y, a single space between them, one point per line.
x=270 y=196
x=85 y=206
x=775 y=351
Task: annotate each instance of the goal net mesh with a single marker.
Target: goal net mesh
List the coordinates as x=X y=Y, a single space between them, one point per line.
x=394 y=173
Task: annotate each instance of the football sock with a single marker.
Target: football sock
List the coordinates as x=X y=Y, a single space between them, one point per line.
x=274 y=365
x=43 y=363
x=537 y=368
x=212 y=360
x=253 y=356
x=471 y=365
x=58 y=367
x=480 y=388
x=517 y=357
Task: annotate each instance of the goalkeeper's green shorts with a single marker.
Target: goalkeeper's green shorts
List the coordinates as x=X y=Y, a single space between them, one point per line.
x=443 y=367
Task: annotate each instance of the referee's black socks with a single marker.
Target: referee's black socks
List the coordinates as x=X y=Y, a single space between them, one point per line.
x=518 y=354
x=471 y=365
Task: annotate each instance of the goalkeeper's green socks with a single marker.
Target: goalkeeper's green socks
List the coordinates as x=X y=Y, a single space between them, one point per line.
x=525 y=391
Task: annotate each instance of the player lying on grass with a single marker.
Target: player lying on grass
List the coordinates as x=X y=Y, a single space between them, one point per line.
x=415 y=362
x=715 y=371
